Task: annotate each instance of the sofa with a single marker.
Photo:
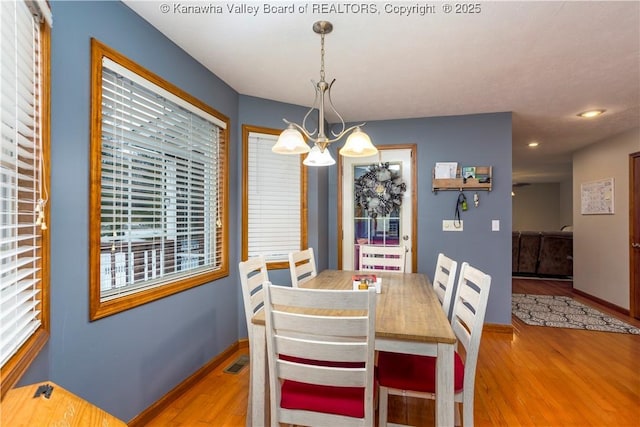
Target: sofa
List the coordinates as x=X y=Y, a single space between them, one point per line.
x=542 y=253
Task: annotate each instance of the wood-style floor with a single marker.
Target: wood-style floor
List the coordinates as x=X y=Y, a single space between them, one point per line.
x=539 y=377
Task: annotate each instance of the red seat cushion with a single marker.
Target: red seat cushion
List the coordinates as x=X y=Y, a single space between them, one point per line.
x=412 y=372
x=347 y=401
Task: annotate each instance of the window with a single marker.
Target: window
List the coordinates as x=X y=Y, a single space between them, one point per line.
x=274 y=208
x=158 y=187
x=24 y=188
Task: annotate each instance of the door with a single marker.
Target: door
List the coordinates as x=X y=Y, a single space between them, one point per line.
x=366 y=219
x=634 y=233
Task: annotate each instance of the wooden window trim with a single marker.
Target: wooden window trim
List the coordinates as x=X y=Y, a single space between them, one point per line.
x=18 y=364
x=97 y=308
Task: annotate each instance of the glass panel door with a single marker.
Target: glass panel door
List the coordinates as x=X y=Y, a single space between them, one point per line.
x=372 y=214
x=370 y=227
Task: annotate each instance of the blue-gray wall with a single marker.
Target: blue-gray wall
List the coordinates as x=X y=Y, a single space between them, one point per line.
x=265 y=113
x=482 y=140
x=124 y=363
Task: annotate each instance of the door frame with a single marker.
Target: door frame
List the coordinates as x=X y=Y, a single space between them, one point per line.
x=414 y=202
x=634 y=235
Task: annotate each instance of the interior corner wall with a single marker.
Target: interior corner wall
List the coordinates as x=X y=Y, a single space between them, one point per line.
x=267 y=113
x=601 y=242
x=126 y=362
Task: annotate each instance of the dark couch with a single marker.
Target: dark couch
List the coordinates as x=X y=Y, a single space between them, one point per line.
x=542 y=253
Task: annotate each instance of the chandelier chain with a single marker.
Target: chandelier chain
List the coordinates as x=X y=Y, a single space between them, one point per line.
x=322 y=57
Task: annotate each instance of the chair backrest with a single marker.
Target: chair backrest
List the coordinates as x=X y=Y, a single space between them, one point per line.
x=327 y=340
x=387 y=258
x=444 y=280
x=470 y=305
x=302 y=266
x=253 y=275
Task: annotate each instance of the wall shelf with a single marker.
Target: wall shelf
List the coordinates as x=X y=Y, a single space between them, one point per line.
x=482 y=181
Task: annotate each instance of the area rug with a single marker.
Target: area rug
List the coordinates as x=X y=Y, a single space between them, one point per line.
x=565 y=312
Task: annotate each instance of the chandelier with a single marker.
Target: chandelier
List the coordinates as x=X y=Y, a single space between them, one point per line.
x=292 y=139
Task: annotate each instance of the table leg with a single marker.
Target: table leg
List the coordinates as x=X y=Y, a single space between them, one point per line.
x=259 y=387
x=444 y=386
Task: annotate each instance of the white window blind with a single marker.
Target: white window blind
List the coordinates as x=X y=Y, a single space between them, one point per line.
x=161 y=204
x=22 y=195
x=274 y=200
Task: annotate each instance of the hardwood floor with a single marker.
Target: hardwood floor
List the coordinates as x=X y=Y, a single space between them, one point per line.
x=539 y=377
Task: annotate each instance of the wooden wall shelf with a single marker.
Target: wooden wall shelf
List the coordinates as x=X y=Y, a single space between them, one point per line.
x=460 y=184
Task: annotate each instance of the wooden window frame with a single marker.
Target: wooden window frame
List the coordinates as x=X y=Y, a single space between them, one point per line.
x=99 y=308
x=17 y=365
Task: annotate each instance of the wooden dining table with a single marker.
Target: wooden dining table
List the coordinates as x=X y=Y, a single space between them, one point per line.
x=409 y=319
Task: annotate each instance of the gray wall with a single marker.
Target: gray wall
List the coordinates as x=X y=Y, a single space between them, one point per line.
x=126 y=362
x=536 y=207
x=543 y=206
x=483 y=140
x=566 y=202
x=601 y=242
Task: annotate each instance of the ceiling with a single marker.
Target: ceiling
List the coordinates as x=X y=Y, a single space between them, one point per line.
x=544 y=61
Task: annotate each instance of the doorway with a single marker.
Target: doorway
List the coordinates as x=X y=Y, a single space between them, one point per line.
x=395 y=226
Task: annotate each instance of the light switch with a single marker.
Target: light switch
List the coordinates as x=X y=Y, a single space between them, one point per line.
x=495 y=225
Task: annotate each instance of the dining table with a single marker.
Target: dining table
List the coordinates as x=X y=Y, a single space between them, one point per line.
x=409 y=319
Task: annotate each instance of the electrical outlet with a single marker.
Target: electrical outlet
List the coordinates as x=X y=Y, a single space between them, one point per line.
x=451 y=225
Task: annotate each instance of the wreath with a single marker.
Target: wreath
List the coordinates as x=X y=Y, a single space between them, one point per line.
x=379 y=190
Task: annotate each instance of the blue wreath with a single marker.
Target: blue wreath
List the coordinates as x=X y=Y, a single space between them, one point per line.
x=379 y=190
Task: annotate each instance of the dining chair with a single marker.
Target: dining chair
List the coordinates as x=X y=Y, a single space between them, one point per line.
x=444 y=282
x=387 y=258
x=253 y=276
x=320 y=351
x=302 y=265
x=414 y=376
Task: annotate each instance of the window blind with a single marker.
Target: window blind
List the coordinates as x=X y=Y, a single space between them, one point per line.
x=22 y=194
x=274 y=200
x=161 y=204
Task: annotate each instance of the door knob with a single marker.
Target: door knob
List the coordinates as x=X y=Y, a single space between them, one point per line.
x=635 y=245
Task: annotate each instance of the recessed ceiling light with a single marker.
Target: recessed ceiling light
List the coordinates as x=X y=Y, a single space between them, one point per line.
x=591 y=113
x=534 y=144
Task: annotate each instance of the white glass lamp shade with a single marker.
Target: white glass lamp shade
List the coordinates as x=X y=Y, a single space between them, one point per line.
x=358 y=145
x=319 y=158
x=290 y=141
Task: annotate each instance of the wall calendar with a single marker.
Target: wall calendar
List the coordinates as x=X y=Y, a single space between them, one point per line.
x=596 y=197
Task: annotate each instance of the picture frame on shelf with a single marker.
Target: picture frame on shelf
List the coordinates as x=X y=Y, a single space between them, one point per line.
x=468 y=172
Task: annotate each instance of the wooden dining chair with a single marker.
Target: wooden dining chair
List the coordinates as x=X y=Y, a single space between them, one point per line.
x=302 y=265
x=382 y=258
x=414 y=376
x=253 y=276
x=444 y=280
x=320 y=351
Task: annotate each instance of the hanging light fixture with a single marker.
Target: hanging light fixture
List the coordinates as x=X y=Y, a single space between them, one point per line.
x=319 y=158
x=292 y=139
